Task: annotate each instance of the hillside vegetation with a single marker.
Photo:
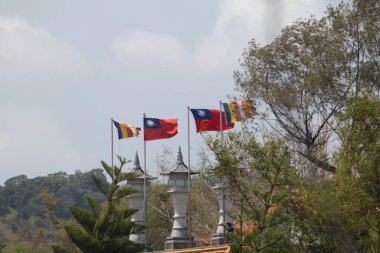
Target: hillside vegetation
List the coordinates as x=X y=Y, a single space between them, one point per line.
x=33 y=211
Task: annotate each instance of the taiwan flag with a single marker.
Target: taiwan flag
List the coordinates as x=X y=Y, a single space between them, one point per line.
x=155 y=129
x=209 y=120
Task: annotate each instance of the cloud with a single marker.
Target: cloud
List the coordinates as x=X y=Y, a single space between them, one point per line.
x=238 y=22
x=149 y=50
x=29 y=52
x=31 y=143
x=262 y=19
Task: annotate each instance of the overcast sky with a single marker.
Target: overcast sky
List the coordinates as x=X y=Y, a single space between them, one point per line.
x=67 y=67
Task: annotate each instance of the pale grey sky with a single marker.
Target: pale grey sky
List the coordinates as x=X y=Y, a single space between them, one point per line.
x=67 y=67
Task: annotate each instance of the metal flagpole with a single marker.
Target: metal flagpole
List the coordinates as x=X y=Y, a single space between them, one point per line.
x=223 y=186
x=221 y=122
x=145 y=190
x=112 y=142
x=188 y=175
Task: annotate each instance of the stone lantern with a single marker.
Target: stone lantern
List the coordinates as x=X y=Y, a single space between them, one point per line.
x=225 y=219
x=136 y=200
x=178 y=182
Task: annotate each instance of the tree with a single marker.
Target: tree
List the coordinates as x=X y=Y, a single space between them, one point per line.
x=205 y=210
x=16 y=180
x=316 y=220
x=106 y=227
x=261 y=178
x=160 y=215
x=317 y=63
x=356 y=25
x=359 y=170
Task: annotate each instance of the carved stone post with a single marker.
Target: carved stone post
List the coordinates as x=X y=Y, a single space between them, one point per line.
x=224 y=213
x=136 y=200
x=178 y=183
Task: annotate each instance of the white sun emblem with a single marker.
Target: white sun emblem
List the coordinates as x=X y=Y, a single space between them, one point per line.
x=201 y=113
x=150 y=123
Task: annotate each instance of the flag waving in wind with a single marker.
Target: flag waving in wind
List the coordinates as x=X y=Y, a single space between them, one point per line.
x=155 y=129
x=126 y=131
x=209 y=120
x=239 y=110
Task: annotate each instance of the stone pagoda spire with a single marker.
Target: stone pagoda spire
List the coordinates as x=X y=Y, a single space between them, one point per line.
x=136 y=200
x=178 y=183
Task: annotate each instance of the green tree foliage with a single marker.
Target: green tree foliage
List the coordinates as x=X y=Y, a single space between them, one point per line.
x=22 y=194
x=50 y=205
x=316 y=220
x=275 y=210
x=205 y=210
x=24 y=247
x=316 y=63
x=106 y=227
x=356 y=26
x=311 y=80
x=261 y=178
x=359 y=170
x=59 y=235
x=41 y=203
x=160 y=215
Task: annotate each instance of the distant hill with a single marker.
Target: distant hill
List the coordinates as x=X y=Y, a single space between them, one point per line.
x=23 y=211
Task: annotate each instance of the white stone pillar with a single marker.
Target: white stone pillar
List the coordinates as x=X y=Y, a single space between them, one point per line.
x=136 y=201
x=224 y=213
x=180 y=237
x=180 y=206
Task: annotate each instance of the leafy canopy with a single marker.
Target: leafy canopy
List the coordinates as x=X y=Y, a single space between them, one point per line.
x=105 y=227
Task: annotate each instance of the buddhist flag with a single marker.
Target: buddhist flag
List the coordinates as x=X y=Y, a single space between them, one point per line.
x=239 y=110
x=126 y=131
x=155 y=129
x=209 y=120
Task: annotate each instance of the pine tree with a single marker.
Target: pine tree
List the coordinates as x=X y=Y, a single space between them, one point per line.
x=105 y=228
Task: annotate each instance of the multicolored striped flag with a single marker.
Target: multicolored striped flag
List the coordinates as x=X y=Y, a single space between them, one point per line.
x=239 y=110
x=126 y=131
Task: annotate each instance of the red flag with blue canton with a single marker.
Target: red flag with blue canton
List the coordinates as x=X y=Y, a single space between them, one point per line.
x=209 y=120
x=155 y=129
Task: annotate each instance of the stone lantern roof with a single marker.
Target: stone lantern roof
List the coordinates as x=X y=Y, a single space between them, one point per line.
x=138 y=170
x=180 y=167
